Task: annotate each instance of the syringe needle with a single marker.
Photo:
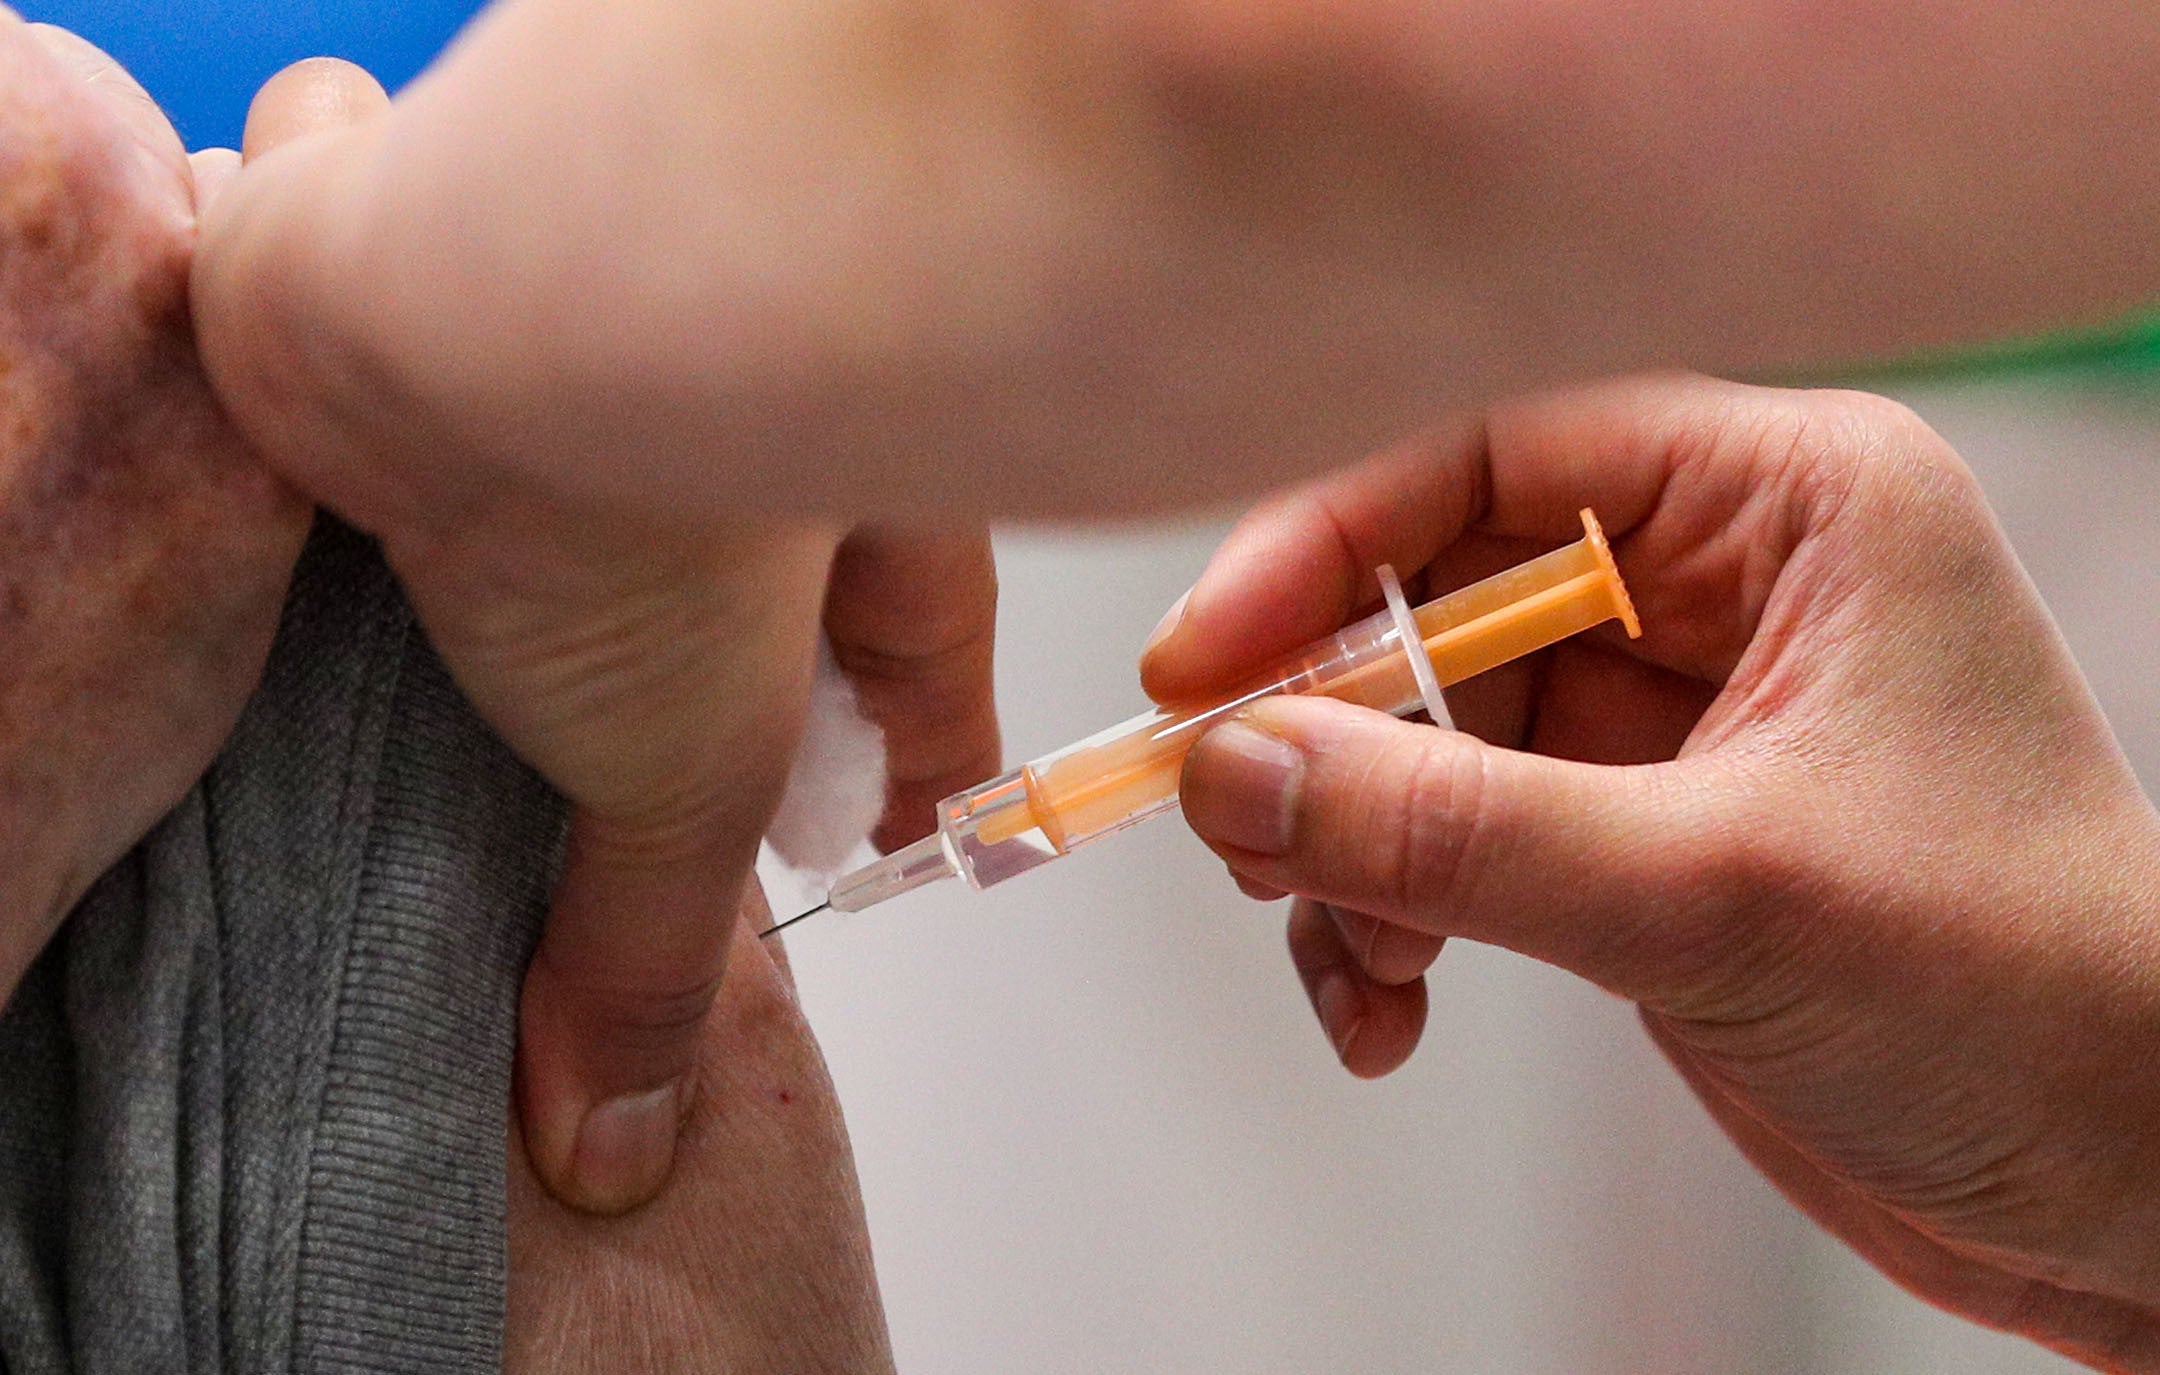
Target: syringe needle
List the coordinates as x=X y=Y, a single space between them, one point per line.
x=780 y=926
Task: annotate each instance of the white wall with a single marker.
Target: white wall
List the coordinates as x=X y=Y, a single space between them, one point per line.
x=1099 y=1131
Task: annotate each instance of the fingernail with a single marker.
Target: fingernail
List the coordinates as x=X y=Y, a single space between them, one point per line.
x=625 y=1149
x=1241 y=788
x=1167 y=624
x=1341 y=1009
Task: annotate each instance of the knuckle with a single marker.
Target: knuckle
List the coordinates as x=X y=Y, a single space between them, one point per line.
x=636 y=1018
x=1881 y=451
x=1876 y=426
x=664 y=1014
x=956 y=647
x=1869 y=411
x=1428 y=825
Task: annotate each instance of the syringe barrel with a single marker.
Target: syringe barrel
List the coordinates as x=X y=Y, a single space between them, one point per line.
x=1129 y=773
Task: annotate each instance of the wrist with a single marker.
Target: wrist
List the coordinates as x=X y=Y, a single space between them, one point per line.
x=2071 y=1226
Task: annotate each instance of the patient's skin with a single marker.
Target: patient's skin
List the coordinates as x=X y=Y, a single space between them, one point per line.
x=144 y=552
x=754 y=1259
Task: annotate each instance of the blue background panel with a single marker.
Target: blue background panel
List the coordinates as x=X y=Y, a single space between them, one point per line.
x=204 y=59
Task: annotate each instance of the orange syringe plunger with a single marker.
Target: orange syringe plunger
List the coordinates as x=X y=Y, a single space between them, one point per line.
x=1130 y=772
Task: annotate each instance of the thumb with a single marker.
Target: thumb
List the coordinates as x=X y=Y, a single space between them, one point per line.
x=318 y=96
x=1601 y=870
x=280 y=284
x=658 y=681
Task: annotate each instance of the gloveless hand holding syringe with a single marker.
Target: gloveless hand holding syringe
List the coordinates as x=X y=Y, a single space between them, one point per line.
x=1395 y=661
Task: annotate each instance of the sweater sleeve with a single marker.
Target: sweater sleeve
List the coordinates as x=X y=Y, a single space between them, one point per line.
x=254 y=1119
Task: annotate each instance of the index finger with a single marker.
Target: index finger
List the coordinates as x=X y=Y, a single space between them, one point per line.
x=1468 y=501
x=912 y=617
x=1297 y=566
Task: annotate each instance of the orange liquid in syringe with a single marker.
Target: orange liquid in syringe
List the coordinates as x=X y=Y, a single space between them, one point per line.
x=1100 y=786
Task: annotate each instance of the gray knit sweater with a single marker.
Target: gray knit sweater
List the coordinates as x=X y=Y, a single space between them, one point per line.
x=252 y=1099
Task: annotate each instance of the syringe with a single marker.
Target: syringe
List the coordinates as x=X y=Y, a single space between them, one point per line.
x=1053 y=806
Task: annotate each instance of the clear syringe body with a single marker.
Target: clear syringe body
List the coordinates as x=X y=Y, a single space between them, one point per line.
x=1128 y=773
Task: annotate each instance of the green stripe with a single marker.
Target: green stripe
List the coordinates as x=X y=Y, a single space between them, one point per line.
x=2127 y=348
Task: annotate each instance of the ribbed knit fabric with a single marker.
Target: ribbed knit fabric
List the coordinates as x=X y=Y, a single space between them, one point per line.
x=252 y=1100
